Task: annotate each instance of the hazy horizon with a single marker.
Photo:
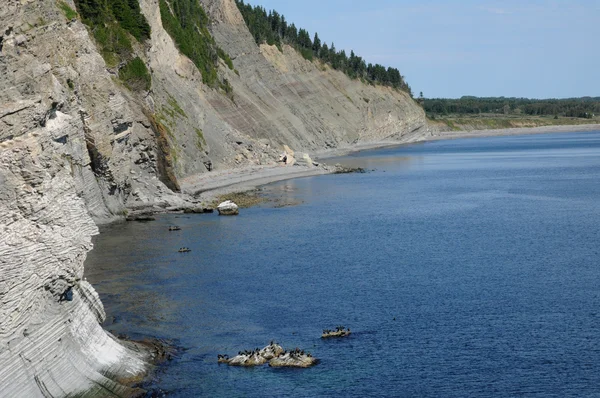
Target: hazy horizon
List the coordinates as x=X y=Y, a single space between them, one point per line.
x=531 y=49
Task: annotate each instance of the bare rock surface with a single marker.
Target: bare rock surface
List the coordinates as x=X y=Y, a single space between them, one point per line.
x=51 y=341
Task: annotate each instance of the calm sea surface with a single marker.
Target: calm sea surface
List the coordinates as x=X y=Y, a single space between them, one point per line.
x=464 y=268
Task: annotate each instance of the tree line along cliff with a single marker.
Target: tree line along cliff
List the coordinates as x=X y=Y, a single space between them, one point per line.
x=273 y=28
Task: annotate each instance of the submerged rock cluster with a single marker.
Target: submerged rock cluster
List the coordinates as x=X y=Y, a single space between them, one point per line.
x=274 y=354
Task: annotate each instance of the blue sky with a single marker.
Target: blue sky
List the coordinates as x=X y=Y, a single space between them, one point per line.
x=535 y=49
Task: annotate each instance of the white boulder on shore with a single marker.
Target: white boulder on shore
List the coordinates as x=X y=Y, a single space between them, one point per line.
x=228 y=208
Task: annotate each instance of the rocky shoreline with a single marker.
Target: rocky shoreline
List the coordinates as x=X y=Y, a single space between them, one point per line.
x=204 y=189
x=201 y=192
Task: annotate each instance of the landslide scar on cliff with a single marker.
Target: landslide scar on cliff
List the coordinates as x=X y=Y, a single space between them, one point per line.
x=164 y=161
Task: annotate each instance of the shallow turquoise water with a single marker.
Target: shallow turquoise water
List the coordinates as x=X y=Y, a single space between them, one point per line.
x=464 y=268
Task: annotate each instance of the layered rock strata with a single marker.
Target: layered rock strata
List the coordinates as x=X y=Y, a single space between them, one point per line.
x=51 y=341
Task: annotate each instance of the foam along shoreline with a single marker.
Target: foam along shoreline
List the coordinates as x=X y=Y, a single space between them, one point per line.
x=209 y=186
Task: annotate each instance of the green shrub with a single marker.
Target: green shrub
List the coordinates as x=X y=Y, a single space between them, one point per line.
x=306 y=53
x=113 y=23
x=225 y=57
x=126 y=13
x=114 y=42
x=135 y=75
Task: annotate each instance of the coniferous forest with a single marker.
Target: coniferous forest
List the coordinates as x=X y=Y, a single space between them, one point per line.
x=272 y=28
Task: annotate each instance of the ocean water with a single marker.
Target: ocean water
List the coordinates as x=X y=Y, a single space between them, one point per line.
x=464 y=268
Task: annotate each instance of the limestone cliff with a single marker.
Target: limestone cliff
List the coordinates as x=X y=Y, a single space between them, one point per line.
x=78 y=148
x=278 y=98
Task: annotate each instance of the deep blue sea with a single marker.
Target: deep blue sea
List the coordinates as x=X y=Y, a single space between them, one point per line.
x=464 y=268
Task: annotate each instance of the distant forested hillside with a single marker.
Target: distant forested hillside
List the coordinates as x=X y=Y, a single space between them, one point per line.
x=273 y=28
x=585 y=107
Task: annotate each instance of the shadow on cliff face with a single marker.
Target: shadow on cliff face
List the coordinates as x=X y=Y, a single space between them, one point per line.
x=165 y=161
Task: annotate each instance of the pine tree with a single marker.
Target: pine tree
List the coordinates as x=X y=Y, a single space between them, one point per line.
x=316 y=44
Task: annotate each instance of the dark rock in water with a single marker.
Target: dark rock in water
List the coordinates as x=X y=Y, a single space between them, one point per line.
x=193 y=210
x=339 y=169
x=208 y=210
x=174 y=228
x=339 y=331
x=140 y=217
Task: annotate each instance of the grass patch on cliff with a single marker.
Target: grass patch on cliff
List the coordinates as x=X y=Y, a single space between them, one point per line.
x=169 y=112
x=166 y=156
x=135 y=75
x=201 y=143
x=68 y=11
x=187 y=23
x=175 y=106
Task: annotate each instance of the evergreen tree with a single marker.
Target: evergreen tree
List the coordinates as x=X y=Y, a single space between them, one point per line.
x=316 y=44
x=324 y=53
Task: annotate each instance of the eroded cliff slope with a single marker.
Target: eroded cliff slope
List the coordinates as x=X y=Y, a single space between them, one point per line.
x=77 y=148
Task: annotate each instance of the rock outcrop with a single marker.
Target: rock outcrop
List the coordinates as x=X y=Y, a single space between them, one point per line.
x=274 y=354
x=340 y=331
x=78 y=148
x=293 y=359
x=51 y=341
x=228 y=208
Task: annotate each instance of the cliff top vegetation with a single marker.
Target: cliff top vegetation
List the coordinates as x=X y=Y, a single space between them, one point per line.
x=187 y=23
x=113 y=23
x=273 y=28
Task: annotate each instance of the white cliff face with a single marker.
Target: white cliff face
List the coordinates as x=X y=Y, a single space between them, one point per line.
x=69 y=150
x=50 y=346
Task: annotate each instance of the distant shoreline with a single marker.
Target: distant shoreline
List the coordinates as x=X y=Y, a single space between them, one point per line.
x=212 y=185
x=574 y=128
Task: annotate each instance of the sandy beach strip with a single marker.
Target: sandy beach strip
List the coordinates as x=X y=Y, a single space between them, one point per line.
x=211 y=185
